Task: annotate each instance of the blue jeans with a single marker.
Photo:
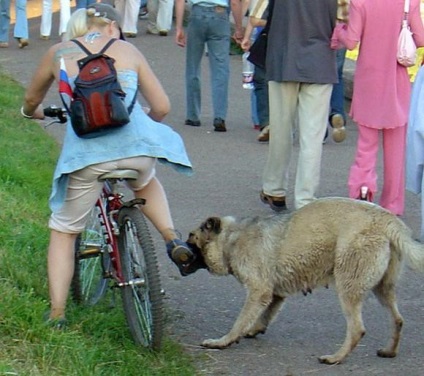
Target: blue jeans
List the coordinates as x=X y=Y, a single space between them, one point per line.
x=83 y=3
x=21 y=25
x=262 y=97
x=337 y=95
x=210 y=26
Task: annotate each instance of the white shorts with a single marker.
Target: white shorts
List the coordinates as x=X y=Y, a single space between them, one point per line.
x=84 y=189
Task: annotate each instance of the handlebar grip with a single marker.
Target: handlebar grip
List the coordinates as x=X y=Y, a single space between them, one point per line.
x=55 y=112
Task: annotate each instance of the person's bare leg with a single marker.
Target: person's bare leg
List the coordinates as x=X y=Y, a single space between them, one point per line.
x=157 y=211
x=60 y=267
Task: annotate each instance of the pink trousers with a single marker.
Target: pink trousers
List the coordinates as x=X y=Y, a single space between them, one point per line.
x=363 y=171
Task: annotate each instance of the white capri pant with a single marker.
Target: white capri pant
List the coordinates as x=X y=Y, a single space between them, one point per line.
x=84 y=189
x=46 y=17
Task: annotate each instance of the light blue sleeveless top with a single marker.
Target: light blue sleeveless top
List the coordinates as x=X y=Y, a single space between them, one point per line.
x=142 y=136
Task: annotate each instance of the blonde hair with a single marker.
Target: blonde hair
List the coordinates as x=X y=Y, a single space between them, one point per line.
x=81 y=21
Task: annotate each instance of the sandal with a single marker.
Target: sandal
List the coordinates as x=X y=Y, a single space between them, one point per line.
x=277 y=204
x=59 y=323
x=180 y=254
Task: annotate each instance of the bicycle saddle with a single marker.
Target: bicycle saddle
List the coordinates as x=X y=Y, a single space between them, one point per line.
x=120 y=175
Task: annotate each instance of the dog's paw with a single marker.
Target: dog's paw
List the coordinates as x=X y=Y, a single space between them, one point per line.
x=383 y=353
x=215 y=344
x=254 y=333
x=329 y=359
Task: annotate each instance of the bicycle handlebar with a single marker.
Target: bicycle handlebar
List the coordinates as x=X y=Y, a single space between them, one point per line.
x=56 y=112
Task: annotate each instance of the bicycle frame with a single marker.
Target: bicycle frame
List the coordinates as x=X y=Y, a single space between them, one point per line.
x=109 y=203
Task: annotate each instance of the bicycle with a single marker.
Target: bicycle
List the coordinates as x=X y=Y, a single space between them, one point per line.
x=116 y=251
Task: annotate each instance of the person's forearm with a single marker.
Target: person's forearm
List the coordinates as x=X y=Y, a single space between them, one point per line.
x=179 y=13
x=236 y=8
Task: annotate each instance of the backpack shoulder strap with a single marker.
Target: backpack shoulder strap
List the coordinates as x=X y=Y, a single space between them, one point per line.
x=88 y=52
x=80 y=45
x=107 y=45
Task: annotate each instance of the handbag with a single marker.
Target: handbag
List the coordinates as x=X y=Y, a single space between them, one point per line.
x=257 y=51
x=407 y=50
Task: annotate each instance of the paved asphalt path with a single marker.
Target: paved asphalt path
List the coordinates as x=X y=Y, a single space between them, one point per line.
x=227 y=181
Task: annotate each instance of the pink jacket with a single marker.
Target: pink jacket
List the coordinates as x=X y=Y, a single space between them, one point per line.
x=381 y=87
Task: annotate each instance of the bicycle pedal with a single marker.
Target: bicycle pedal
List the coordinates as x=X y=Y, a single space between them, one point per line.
x=89 y=252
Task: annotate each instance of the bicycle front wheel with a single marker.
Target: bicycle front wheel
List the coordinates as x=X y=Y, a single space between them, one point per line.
x=141 y=295
x=91 y=261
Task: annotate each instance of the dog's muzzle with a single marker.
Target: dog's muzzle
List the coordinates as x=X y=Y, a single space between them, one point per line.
x=197 y=263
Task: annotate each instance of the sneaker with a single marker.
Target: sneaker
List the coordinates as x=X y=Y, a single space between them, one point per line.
x=219 y=125
x=193 y=123
x=277 y=204
x=264 y=135
x=337 y=123
x=180 y=254
x=143 y=12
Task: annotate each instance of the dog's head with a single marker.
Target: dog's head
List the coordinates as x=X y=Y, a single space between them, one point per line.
x=201 y=242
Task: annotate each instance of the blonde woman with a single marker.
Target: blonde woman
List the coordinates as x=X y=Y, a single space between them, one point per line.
x=136 y=146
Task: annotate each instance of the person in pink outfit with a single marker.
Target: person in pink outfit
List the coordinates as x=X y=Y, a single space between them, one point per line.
x=381 y=94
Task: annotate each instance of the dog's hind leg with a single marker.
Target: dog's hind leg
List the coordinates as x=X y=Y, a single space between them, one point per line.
x=256 y=304
x=262 y=324
x=386 y=294
x=352 y=307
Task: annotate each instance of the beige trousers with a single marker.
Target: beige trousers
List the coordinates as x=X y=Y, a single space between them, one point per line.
x=307 y=106
x=84 y=189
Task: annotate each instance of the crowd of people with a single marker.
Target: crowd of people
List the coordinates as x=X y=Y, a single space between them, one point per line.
x=158 y=12
x=300 y=87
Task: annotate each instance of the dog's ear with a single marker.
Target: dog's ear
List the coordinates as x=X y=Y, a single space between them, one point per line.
x=213 y=224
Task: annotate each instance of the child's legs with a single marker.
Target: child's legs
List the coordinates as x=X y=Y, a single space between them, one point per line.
x=393 y=193
x=362 y=172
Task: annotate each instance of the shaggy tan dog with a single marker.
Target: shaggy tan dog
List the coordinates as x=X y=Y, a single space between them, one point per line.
x=356 y=245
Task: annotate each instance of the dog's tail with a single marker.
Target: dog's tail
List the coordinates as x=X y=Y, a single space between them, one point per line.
x=400 y=237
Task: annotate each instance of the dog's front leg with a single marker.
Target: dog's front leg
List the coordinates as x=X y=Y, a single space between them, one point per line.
x=254 y=306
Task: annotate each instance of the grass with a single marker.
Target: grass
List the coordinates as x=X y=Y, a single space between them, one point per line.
x=98 y=341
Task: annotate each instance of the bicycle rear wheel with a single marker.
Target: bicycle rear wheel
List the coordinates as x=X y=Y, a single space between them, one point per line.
x=91 y=261
x=142 y=296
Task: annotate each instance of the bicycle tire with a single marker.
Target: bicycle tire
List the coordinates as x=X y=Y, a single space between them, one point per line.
x=142 y=300
x=88 y=284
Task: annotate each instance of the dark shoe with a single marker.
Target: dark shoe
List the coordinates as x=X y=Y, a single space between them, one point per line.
x=219 y=125
x=193 y=123
x=337 y=123
x=163 y=33
x=59 y=323
x=276 y=203
x=180 y=254
x=130 y=35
